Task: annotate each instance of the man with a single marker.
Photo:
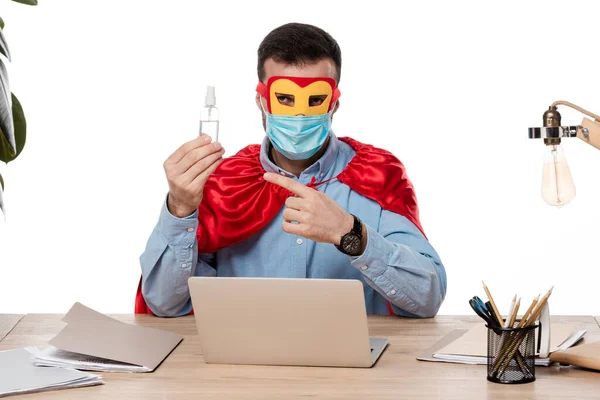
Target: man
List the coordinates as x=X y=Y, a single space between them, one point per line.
x=304 y=204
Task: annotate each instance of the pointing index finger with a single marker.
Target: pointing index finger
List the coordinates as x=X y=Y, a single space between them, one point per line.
x=287 y=183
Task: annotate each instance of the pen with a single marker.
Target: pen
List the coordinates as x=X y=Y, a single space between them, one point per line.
x=510 y=311
x=515 y=311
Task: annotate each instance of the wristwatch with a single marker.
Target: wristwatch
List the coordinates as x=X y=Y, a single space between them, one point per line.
x=350 y=243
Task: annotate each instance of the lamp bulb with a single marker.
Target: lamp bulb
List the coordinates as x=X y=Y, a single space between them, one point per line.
x=558 y=188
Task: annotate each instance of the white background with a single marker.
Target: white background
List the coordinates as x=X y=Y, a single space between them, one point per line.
x=111 y=88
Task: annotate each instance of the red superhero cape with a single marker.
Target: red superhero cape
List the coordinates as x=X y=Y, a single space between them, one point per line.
x=238 y=202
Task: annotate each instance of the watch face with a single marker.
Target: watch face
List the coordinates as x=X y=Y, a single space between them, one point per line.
x=351 y=244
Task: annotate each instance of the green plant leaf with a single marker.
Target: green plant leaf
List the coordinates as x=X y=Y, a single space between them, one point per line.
x=20 y=125
x=3 y=45
x=1 y=23
x=1 y=200
x=7 y=130
x=28 y=2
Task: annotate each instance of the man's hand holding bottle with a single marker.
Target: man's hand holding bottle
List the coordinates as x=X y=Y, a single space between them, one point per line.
x=187 y=170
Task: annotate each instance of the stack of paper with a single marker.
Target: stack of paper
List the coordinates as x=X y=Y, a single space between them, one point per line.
x=95 y=342
x=470 y=346
x=18 y=375
x=53 y=357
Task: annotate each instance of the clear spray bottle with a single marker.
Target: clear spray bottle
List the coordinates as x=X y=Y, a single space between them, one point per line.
x=209 y=116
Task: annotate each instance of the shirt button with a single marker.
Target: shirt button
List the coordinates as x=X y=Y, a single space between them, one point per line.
x=190 y=229
x=299 y=241
x=392 y=292
x=364 y=268
x=183 y=265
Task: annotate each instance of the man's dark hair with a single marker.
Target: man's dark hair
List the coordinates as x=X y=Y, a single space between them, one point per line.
x=299 y=44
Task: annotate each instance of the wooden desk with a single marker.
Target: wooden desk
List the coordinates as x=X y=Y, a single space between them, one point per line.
x=7 y=323
x=397 y=375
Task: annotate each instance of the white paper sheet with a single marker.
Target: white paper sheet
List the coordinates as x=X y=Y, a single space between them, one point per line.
x=19 y=375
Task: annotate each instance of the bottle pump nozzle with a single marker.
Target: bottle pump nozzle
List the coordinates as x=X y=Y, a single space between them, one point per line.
x=210 y=99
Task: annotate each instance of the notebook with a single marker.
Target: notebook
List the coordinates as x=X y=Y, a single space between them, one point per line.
x=95 y=342
x=470 y=346
x=585 y=355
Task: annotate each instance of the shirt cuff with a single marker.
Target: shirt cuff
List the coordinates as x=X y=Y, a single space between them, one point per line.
x=373 y=262
x=178 y=230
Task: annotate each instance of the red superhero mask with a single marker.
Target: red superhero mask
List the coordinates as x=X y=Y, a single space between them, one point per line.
x=292 y=95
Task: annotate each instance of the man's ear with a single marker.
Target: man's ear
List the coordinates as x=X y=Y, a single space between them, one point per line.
x=336 y=106
x=257 y=98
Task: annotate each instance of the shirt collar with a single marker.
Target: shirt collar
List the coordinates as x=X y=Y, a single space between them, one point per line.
x=320 y=168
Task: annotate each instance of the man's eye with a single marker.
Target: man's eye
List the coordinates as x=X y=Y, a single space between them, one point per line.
x=285 y=99
x=314 y=101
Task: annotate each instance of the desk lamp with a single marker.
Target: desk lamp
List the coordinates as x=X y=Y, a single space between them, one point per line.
x=557 y=184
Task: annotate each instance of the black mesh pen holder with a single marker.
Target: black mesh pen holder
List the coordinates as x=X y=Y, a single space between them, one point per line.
x=511 y=354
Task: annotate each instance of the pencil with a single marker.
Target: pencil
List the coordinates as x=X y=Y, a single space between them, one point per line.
x=510 y=320
x=491 y=299
x=538 y=308
x=513 y=317
x=528 y=312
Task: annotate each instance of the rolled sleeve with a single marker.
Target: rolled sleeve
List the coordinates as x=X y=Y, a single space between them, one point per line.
x=168 y=261
x=403 y=267
x=178 y=230
x=374 y=264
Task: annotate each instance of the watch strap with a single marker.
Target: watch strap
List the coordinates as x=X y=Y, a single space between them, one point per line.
x=357 y=228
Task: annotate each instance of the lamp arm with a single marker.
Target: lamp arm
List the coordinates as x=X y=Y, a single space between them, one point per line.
x=589 y=132
x=576 y=107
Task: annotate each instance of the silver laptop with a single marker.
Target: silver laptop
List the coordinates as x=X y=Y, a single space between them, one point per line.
x=276 y=321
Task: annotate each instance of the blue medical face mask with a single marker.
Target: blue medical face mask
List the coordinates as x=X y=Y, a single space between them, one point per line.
x=298 y=137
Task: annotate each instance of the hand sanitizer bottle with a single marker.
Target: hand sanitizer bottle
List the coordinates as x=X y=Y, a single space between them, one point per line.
x=209 y=116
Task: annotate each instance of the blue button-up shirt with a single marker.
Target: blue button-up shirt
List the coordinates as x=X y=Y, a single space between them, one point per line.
x=399 y=265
